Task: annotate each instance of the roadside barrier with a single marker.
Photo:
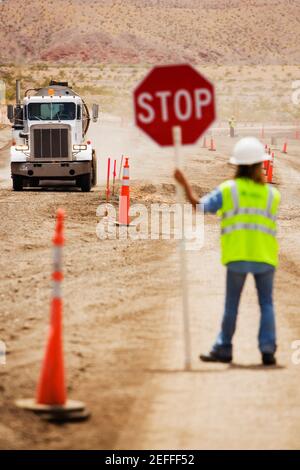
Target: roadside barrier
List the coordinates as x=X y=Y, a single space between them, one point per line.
x=107 y=180
x=51 y=397
x=120 y=170
x=114 y=177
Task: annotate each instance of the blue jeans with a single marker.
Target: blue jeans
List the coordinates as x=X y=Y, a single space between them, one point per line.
x=234 y=285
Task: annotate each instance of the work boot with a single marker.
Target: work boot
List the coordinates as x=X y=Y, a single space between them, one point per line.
x=268 y=359
x=215 y=357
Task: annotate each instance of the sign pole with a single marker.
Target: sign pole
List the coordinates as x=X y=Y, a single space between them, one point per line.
x=177 y=139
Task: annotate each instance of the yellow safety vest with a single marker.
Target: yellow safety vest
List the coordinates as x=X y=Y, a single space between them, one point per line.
x=248 y=221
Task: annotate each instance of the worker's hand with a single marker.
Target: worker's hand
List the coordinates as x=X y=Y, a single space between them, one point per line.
x=180 y=177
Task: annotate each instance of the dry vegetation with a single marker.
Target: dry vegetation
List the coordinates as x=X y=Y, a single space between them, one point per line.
x=261 y=93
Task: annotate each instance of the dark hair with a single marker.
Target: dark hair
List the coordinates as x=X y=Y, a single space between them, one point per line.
x=253 y=172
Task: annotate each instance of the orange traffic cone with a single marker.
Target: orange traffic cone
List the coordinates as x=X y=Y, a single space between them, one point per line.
x=212 y=147
x=204 y=146
x=124 y=199
x=51 y=396
x=284 y=150
x=270 y=172
x=51 y=388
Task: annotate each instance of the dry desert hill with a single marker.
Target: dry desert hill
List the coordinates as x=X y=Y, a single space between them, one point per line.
x=150 y=31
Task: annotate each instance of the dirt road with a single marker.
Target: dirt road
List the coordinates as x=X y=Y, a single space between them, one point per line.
x=123 y=329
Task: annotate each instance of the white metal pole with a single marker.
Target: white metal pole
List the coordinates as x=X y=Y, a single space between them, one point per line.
x=177 y=139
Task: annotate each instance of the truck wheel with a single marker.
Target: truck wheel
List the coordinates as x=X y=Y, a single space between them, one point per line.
x=94 y=168
x=17 y=183
x=86 y=183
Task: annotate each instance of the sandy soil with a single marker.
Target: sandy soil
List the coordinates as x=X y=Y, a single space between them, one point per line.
x=123 y=321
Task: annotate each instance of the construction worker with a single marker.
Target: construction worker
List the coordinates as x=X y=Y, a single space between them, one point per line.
x=247 y=208
x=231 y=123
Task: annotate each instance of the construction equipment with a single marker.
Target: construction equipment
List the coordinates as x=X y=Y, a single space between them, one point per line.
x=49 y=131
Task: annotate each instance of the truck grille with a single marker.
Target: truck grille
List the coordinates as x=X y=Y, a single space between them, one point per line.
x=51 y=143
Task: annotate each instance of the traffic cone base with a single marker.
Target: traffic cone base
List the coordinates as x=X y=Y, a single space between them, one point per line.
x=72 y=410
x=131 y=224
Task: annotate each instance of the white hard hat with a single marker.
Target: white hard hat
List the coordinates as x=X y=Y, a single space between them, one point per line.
x=248 y=151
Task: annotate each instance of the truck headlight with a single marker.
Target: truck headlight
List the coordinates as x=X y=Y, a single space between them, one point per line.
x=79 y=147
x=21 y=148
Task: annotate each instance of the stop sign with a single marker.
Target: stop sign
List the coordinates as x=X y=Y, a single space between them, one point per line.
x=174 y=95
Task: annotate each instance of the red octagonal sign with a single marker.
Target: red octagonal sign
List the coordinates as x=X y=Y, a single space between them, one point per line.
x=174 y=95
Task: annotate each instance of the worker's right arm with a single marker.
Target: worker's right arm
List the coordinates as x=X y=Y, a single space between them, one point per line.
x=212 y=202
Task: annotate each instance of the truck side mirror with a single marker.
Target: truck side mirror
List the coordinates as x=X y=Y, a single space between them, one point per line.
x=95 y=112
x=10 y=112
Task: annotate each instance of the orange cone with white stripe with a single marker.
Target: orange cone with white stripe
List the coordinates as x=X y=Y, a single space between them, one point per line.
x=51 y=398
x=51 y=388
x=270 y=172
x=124 y=198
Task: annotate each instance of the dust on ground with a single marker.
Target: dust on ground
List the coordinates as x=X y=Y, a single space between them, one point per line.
x=122 y=317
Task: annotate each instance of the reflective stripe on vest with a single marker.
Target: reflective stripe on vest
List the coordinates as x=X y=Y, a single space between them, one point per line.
x=241 y=226
x=249 y=210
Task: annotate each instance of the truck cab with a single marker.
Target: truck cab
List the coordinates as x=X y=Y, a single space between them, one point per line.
x=49 y=138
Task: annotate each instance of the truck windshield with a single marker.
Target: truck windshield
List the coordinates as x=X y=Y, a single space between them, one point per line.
x=51 y=111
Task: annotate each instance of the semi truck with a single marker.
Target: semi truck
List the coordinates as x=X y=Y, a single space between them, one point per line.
x=49 y=130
